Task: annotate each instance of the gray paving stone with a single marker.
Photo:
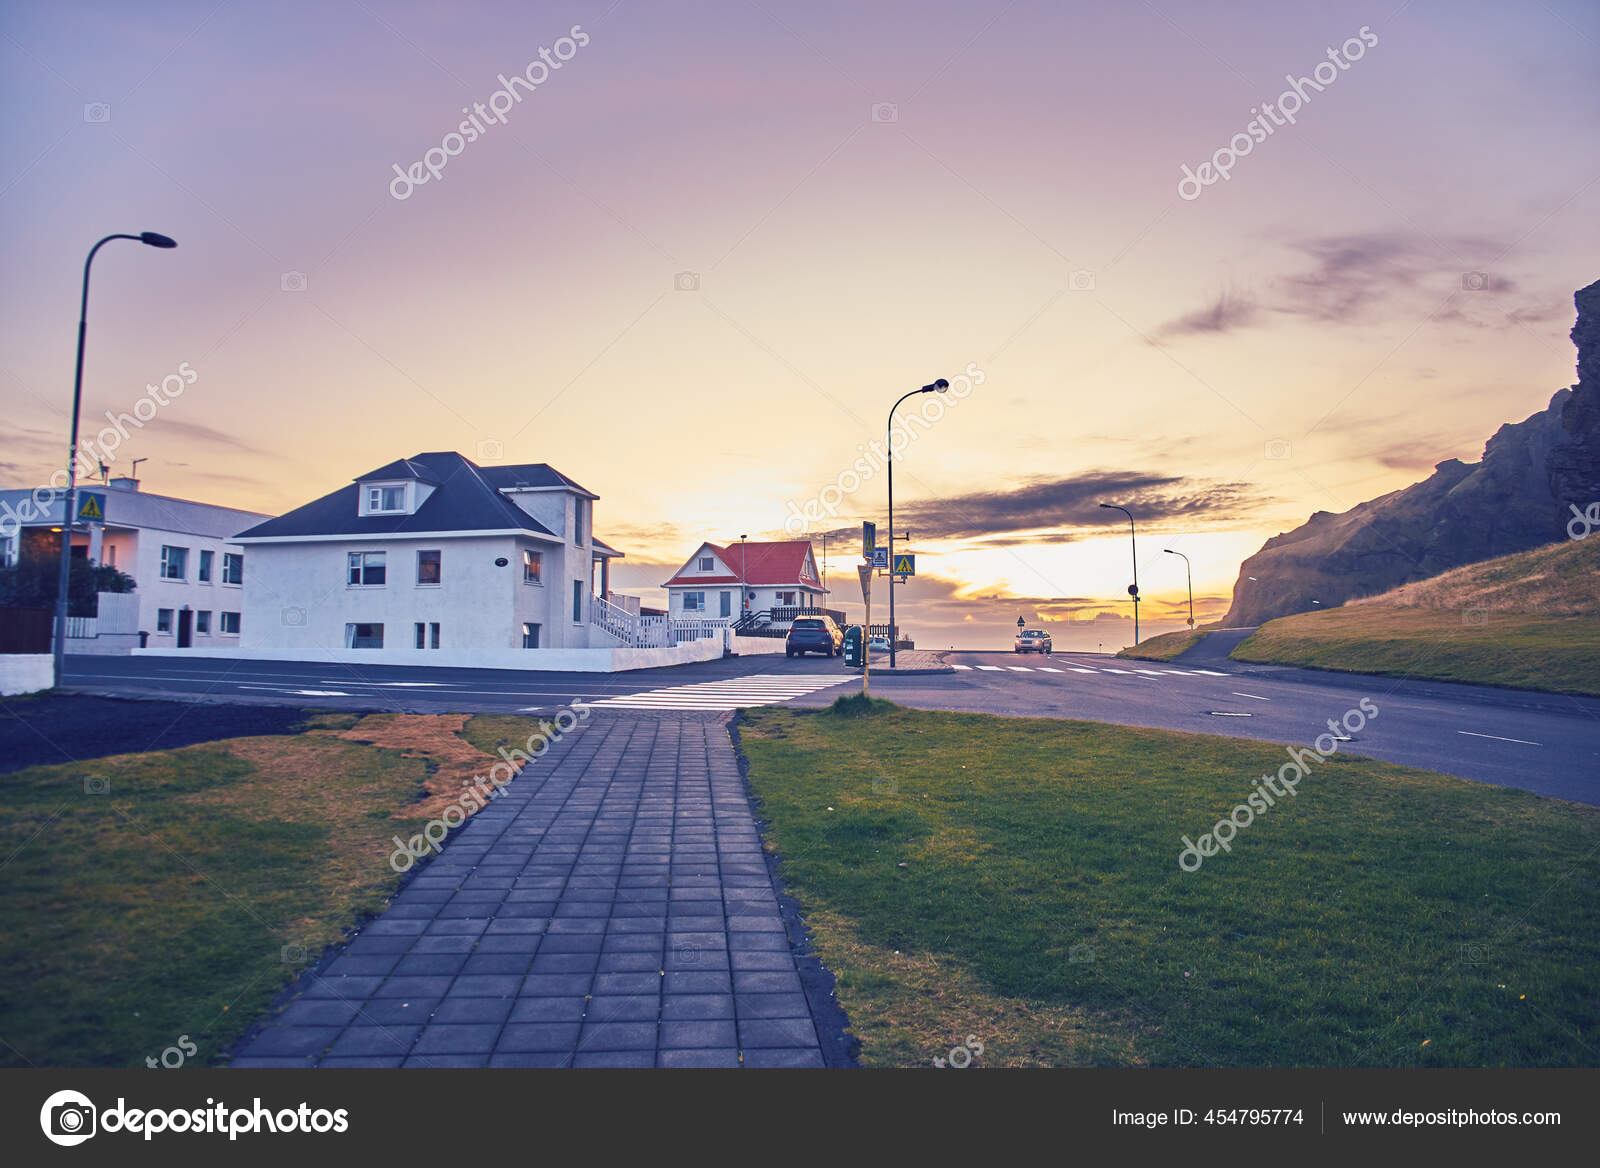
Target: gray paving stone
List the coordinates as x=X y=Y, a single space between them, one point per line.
x=755 y=1032
x=394 y=1041
x=698 y=1058
x=804 y=1056
x=473 y=1010
x=538 y=1036
x=456 y=1039
x=703 y=1032
x=292 y=1041
x=395 y=1011
x=691 y=1007
x=564 y=1009
x=623 y=1008
x=603 y=1036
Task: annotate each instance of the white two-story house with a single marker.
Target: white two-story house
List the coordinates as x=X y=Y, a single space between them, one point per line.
x=747 y=577
x=427 y=553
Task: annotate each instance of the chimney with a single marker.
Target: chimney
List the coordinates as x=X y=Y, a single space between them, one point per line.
x=124 y=483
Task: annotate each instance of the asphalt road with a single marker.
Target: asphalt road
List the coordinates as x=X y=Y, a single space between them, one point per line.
x=1538 y=742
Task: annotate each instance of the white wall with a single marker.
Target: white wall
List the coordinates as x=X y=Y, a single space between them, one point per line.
x=22 y=673
x=558 y=660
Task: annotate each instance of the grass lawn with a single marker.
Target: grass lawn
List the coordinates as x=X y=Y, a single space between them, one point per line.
x=1165 y=647
x=1017 y=880
x=1485 y=646
x=174 y=893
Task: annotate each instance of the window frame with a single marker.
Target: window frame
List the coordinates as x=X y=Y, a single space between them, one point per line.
x=356 y=565
x=164 y=621
x=533 y=558
x=204 y=567
x=438 y=567
x=166 y=572
x=352 y=634
x=233 y=560
x=577 y=602
x=223 y=622
x=202 y=622
x=530 y=632
x=699 y=604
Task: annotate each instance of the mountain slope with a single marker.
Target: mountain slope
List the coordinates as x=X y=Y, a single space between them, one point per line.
x=1517 y=497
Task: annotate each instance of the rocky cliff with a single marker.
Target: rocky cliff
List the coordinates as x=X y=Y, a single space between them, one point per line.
x=1516 y=498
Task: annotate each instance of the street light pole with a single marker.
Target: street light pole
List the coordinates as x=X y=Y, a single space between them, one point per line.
x=1190 y=578
x=1134 y=590
x=938 y=386
x=68 y=515
x=743 y=587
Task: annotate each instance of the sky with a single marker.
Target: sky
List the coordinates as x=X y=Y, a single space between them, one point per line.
x=696 y=251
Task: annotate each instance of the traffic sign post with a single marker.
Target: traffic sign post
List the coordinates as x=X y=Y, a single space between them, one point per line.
x=905 y=565
x=91 y=506
x=865 y=572
x=880 y=558
x=869 y=539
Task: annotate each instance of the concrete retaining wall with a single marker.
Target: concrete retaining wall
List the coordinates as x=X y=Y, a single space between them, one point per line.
x=558 y=660
x=22 y=673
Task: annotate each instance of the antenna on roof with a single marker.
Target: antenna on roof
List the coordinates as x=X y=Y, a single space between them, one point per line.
x=134 y=473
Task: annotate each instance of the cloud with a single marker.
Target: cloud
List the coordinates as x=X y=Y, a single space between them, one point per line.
x=1074 y=501
x=1228 y=312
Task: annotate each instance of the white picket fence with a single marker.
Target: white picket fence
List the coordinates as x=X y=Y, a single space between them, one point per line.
x=650 y=632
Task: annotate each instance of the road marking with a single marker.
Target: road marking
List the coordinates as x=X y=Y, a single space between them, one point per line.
x=1149 y=672
x=1210 y=673
x=1497 y=738
x=991 y=668
x=1108 y=669
x=967 y=667
x=1228 y=714
x=1257 y=697
x=1019 y=669
x=762 y=689
x=1047 y=669
x=1075 y=669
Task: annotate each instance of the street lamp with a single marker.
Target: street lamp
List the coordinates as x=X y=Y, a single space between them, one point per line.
x=936 y=387
x=68 y=517
x=1133 y=589
x=743 y=588
x=1190 y=577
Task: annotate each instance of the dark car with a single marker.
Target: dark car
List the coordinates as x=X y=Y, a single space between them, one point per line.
x=813 y=634
x=1033 y=641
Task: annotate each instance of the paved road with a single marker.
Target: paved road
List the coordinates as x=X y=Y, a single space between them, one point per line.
x=1538 y=742
x=704 y=686
x=612 y=908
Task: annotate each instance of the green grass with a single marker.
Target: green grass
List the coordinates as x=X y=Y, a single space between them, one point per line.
x=1165 y=647
x=1487 y=647
x=163 y=907
x=1017 y=880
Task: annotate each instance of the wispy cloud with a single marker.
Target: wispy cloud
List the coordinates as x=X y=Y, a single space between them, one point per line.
x=1229 y=311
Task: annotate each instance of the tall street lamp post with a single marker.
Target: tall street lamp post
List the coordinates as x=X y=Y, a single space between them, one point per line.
x=151 y=239
x=936 y=387
x=1133 y=589
x=1190 y=578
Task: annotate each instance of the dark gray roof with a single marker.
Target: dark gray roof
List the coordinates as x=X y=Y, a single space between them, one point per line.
x=465 y=498
x=532 y=474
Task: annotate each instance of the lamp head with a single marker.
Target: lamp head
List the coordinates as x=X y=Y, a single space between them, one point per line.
x=936 y=387
x=157 y=240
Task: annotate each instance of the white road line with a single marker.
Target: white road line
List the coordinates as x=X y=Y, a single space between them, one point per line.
x=1019 y=669
x=1226 y=714
x=1149 y=672
x=1108 y=669
x=760 y=689
x=991 y=668
x=967 y=667
x=1497 y=738
x=1257 y=697
x=1047 y=669
x=1075 y=669
x=1210 y=673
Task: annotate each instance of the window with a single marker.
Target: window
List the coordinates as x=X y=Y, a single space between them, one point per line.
x=577 y=601
x=427 y=635
x=784 y=599
x=427 y=568
x=204 y=573
x=163 y=620
x=726 y=604
x=230 y=624
x=707 y=563
x=433 y=635
x=202 y=621
x=694 y=601
x=367 y=569
x=110 y=550
x=357 y=636
x=530 y=636
x=532 y=567
x=580 y=521
x=173 y=562
x=8 y=550
x=381 y=499
x=233 y=567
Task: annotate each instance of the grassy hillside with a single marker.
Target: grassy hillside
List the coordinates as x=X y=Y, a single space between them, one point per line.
x=1165 y=647
x=1529 y=621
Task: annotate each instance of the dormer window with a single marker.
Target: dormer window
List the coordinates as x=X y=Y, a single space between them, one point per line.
x=382 y=499
x=706 y=563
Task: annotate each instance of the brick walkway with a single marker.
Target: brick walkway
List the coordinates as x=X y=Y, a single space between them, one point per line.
x=611 y=909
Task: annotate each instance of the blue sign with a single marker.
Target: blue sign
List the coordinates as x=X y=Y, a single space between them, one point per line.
x=880 y=557
x=905 y=565
x=92 y=506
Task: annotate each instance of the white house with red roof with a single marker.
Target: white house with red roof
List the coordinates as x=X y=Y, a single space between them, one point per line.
x=748 y=577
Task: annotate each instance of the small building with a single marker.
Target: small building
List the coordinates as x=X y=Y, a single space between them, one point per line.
x=753 y=583
x=188 y=571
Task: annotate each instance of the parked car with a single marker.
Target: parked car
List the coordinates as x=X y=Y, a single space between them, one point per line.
x=813 y=634
x=1033 y=641
x=878 y=644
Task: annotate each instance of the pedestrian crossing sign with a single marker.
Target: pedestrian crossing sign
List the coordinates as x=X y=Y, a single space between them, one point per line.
x=905 y=565
x=92 y=506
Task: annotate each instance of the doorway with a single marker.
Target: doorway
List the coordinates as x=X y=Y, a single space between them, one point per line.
x=185 y=627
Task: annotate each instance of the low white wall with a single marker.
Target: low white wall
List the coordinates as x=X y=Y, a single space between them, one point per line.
x=22 y=673
x=558 y=660
x=748 y=646
x=104 y=645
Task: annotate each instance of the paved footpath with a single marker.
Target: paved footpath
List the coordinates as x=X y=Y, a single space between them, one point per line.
x=611 y=909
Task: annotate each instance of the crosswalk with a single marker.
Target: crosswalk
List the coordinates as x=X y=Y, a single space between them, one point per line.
x=1082 y=667
x=759 y=689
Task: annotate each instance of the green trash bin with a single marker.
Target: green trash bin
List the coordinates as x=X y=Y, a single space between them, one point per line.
x=854 y=656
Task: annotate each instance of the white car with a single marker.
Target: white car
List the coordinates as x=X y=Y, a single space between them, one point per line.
x=878 y=645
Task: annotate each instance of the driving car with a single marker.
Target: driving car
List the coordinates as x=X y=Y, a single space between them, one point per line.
x=878 y=645
x=1033 y=641
x=813 y=634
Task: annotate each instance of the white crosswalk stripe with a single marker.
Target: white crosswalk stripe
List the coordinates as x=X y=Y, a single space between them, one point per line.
x=966 y=667
x=1047 y=669
x=1019 y=669
x=991 y=668
x=760 y=689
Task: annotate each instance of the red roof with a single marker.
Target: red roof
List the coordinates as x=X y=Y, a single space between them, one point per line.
x=764 y=564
